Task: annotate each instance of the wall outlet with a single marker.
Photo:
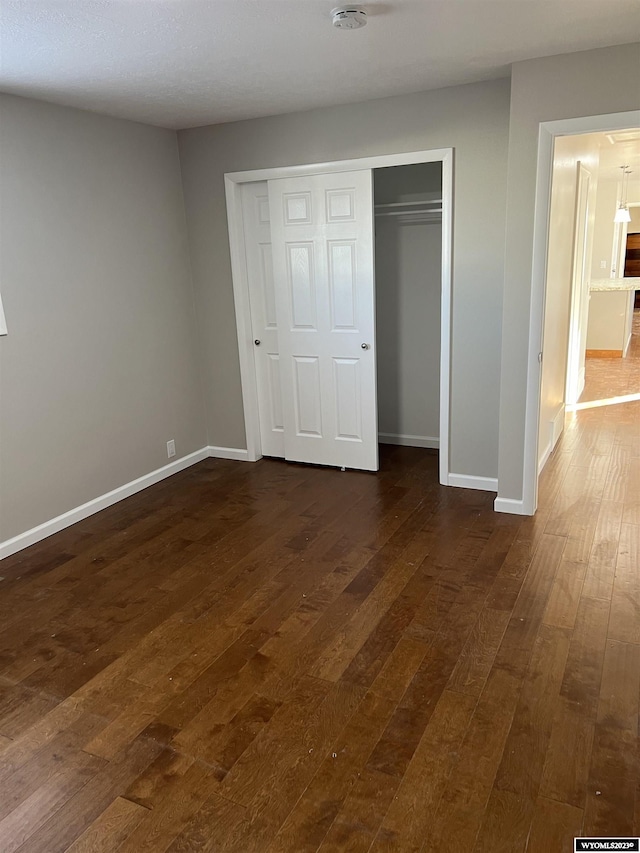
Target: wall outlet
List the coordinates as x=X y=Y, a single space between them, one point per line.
x=603 y=265
x=171 y=448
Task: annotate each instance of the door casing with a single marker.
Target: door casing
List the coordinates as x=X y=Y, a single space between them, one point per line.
x=233 y=185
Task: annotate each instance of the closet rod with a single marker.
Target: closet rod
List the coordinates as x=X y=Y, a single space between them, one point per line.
x=433 y=210
x=422 y=203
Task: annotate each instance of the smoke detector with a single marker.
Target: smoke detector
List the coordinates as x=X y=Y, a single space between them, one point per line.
x=349 y=17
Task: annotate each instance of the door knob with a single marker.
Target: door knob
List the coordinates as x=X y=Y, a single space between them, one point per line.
x=364 y=346
x=257 y=342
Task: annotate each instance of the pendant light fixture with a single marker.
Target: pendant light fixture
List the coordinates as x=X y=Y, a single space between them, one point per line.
x=622 y=213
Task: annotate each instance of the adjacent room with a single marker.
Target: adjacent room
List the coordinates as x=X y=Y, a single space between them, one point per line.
x=319 y=426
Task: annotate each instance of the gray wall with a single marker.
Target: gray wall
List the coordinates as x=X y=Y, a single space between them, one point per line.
x=408 y=288
x=472 y=119
x=595 y=82
x=100 y=366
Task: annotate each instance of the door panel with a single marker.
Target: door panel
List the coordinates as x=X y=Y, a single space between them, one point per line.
x=308 y=415
x=322 y=248
x=342 y=284
x=348 y=399
x=264 y=321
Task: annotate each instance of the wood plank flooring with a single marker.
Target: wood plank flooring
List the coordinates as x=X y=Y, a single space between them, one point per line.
x=271 y=657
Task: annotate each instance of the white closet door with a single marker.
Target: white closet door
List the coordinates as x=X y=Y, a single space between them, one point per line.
x=255 y=203
x=322 y=238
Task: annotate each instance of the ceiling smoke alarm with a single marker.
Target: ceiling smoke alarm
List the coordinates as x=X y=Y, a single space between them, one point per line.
x=349 y=17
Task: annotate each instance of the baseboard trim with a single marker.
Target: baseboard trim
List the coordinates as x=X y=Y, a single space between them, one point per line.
x=55 y=525
x=511 y=506
x=467 y=481
x=409 y=440
x=556 y=428
x=228 y=453
x=544 y=458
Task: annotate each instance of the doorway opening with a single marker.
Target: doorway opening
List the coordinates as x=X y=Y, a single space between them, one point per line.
x=408 y=250
x=590 y=343
x=284 y=224
x=533 y=440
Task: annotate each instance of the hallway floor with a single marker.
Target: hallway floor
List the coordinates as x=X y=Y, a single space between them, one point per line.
x=271 y=657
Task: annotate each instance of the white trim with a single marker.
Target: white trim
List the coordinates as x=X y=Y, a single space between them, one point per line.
x=48 y=528
x=409 y=440
x=511 y=506
x=545 y=457
x=557 y=425
x=468 y=481
x=3 y=321
x=229 y=453
x=446 y=314
x=243 y=319
x=547 y=134
x=380 y=161
x=556 y=428
x=233 y=182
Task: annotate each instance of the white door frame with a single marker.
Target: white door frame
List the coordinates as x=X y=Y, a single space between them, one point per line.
x=547 y=134
x=233 y=182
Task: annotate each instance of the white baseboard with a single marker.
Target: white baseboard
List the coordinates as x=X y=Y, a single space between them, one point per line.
x=467 y=481
x=512 y=506
x=544 y=458
x=48 y=528
x=228 y=453
x=556 y=428
x=55 y=525
x=409 y=440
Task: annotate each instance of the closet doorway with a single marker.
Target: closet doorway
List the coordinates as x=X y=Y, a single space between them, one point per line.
x=344 y=326
x=408 y=257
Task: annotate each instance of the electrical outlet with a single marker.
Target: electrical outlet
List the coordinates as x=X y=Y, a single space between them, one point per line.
x=171 y=448
x=603 y=265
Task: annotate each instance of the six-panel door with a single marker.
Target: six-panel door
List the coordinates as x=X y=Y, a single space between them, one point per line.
x=322 y=252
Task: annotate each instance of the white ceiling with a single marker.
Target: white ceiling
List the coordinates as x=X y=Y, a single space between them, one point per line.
x=184 y=63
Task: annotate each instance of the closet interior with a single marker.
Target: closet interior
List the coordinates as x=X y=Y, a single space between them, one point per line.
x=408 y=261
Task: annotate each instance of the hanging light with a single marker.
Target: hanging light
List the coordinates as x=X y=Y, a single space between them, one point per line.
x=622 y=213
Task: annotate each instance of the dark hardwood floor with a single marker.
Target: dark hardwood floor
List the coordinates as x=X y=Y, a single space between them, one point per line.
x=271 y=657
